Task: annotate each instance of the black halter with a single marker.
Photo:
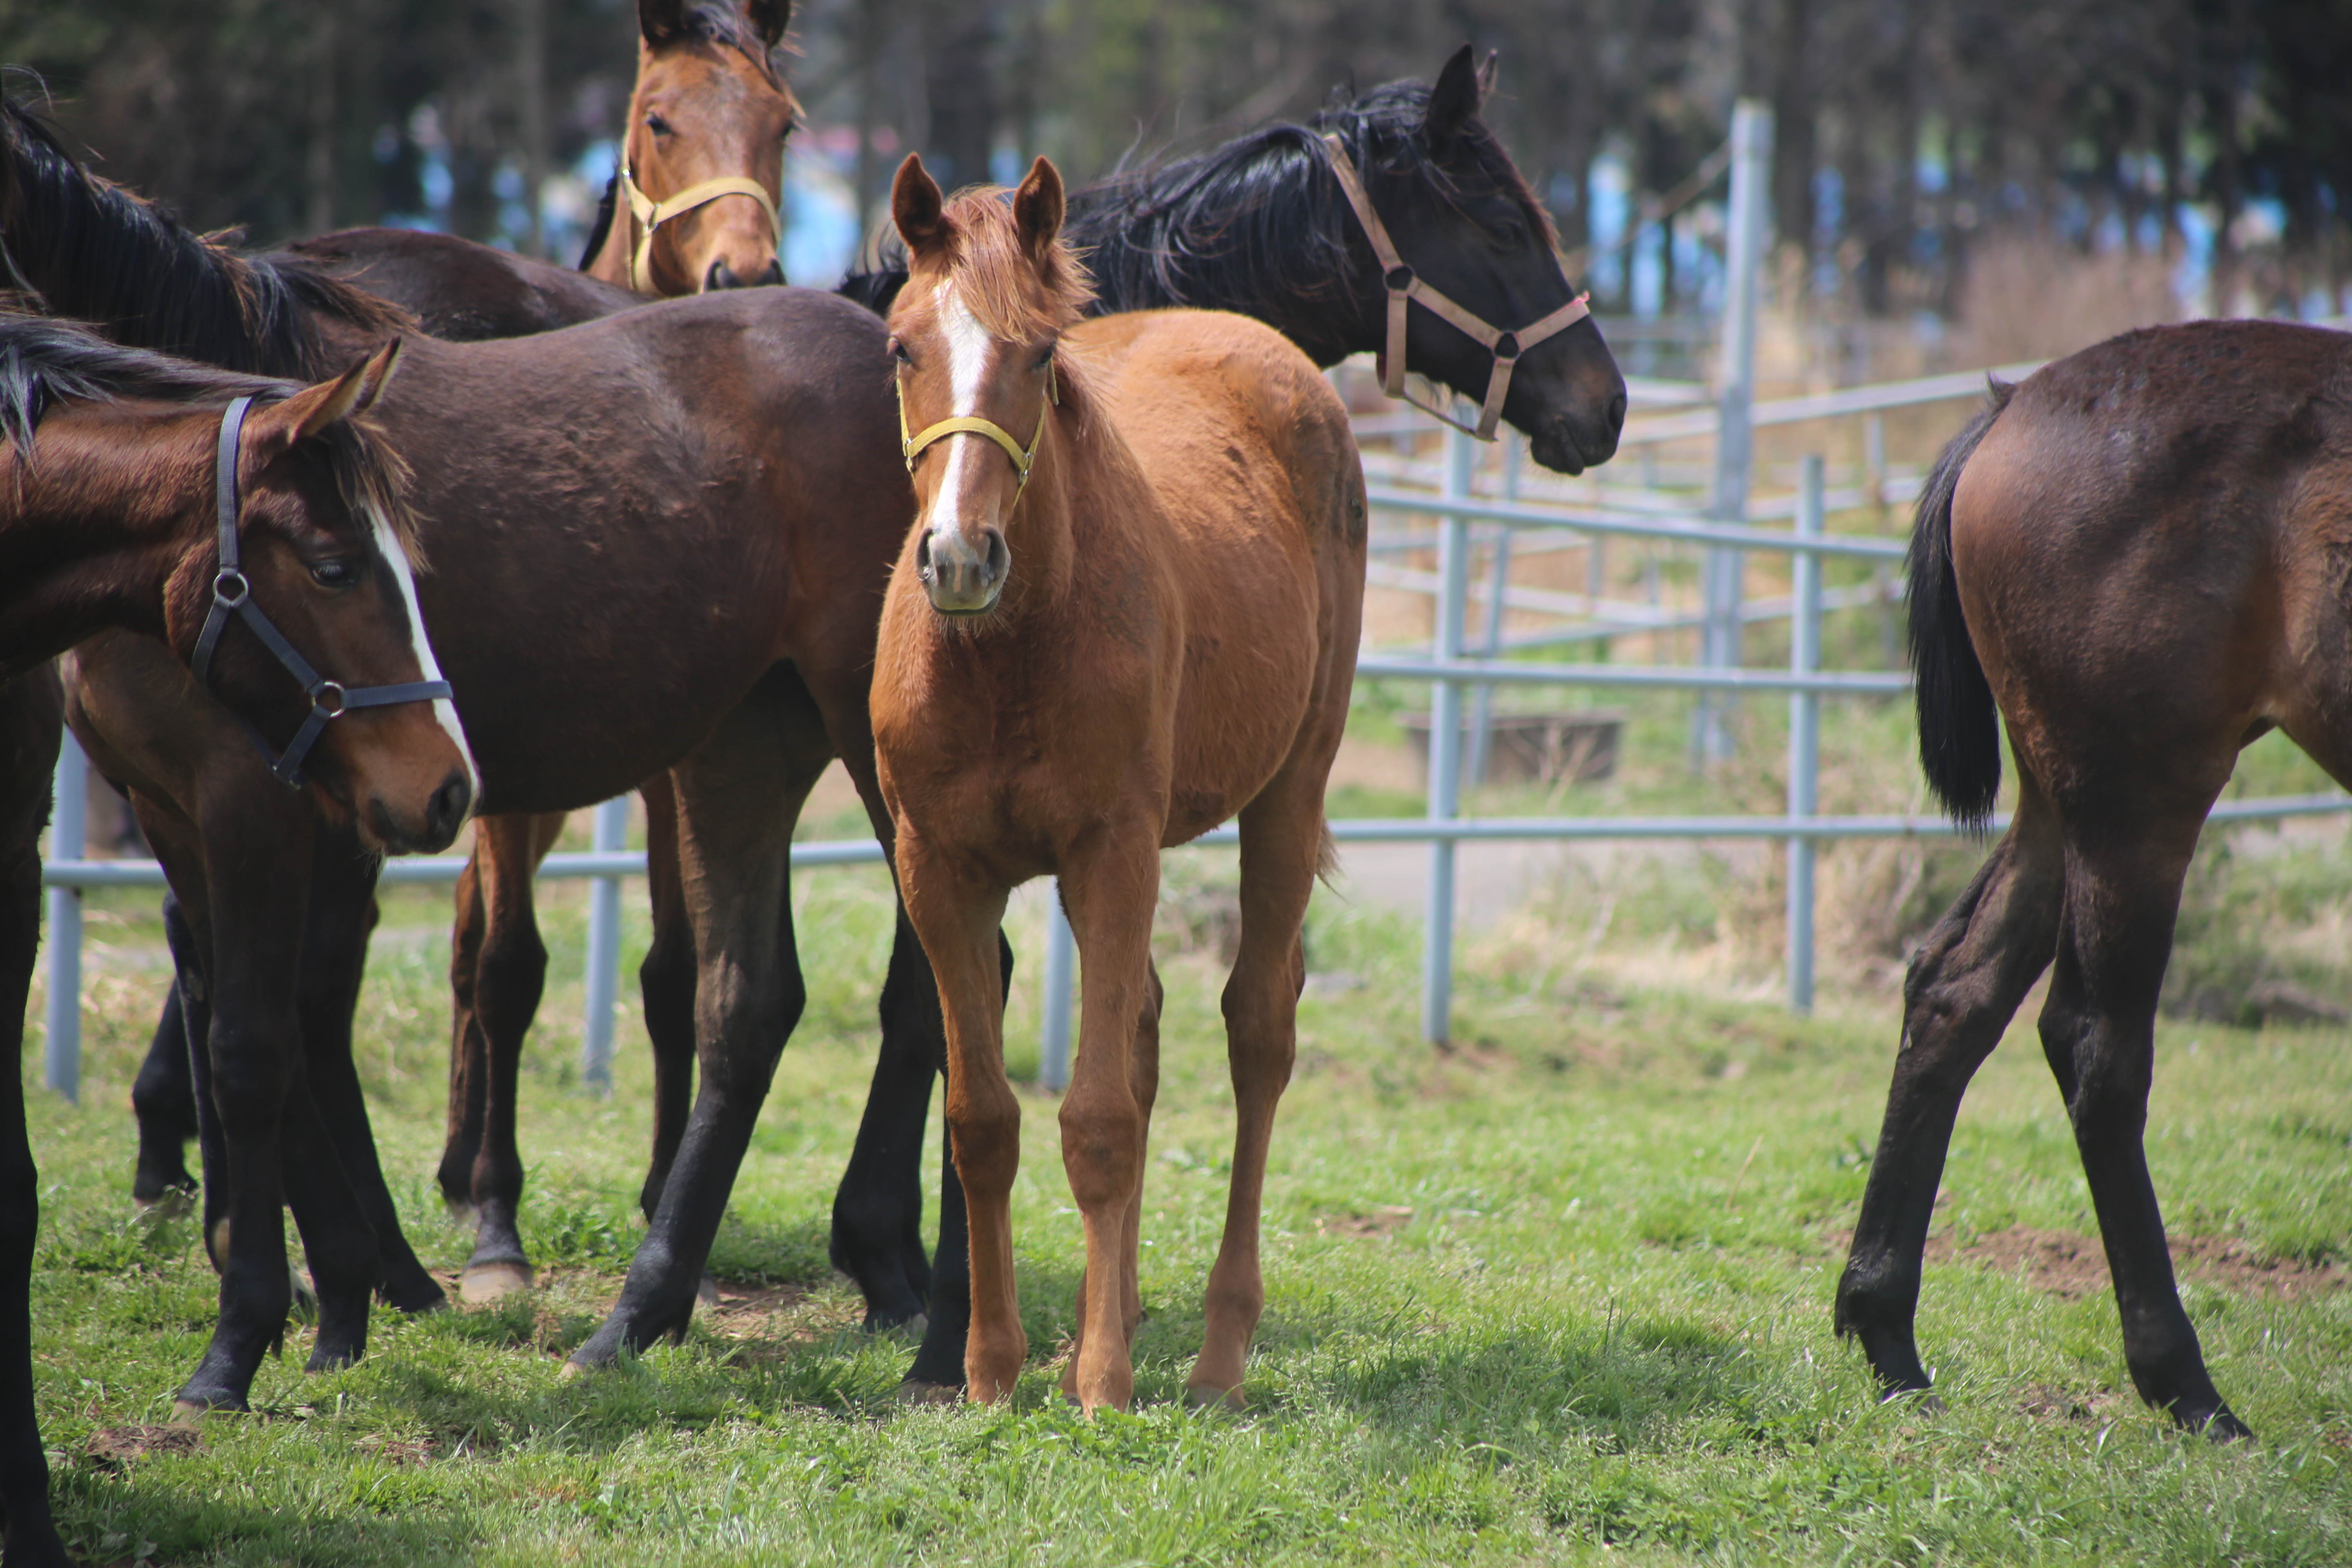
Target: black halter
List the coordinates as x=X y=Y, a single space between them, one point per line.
x=233 y=595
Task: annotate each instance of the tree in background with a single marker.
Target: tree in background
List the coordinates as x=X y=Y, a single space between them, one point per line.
x=1910 y=132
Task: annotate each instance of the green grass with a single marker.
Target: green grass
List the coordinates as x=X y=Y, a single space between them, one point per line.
x=1561 y=1295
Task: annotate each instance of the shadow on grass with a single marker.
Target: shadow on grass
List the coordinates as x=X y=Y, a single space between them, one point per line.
x=167 y=1518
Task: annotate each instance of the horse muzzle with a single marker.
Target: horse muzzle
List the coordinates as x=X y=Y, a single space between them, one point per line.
x=432 y=829
x=962 y=578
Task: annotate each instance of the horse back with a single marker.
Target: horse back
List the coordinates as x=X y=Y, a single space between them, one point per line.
x=458 y=289
x=1248 y=452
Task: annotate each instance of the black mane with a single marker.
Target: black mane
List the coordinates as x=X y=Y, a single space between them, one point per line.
x=1248 y=225
x=97 y=253
x=728 y=27
x=43 y=359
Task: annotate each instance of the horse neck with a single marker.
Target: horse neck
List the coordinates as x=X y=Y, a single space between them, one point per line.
x=96 y=253
x=89 y=540
x=1126 y=243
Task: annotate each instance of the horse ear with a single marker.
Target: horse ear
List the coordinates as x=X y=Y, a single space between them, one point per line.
x=772 y=18
x=1486 y=69
x=273 y=430
x=1453 y=100
x=915 y=205
x=1037 y=207
x=661 y=21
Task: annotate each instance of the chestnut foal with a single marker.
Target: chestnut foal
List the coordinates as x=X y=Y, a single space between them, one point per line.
x=1142 y=624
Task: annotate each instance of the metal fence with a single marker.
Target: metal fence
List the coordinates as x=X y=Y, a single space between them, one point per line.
x=1725 y=529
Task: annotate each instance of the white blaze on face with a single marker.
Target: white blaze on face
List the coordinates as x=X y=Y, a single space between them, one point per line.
x=445 y=712
x=969 y=347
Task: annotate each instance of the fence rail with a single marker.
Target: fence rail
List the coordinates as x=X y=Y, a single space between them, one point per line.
x=1724 y=531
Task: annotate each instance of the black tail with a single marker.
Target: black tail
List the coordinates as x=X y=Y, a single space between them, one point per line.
x=1959 y=727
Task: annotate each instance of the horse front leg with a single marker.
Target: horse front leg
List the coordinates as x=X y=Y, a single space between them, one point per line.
x=957 y=917
x=246 y=909
x=343 y=916
x=29 y=727
x=738 y=794
x=510 y=977
x=1963 y=985
x=1110 y=887
x=666 y=979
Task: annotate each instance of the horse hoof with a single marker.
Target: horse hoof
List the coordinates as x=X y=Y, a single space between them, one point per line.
x=486 y=1282
x=1209 y=1396
x=2223 y=1427
x=569 y=1370
x=461 y=1212
x=707 y=1292
x=186 y=1411
x=915 y=1391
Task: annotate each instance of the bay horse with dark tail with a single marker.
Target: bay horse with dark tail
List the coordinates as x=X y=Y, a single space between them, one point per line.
x=1127 y=611
x=2134 y=561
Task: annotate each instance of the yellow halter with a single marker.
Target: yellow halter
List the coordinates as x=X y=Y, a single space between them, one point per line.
x=651 y=215
x=1024 y=457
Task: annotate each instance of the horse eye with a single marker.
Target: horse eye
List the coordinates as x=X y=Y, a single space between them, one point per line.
x=1511 y=232
x=898 y=352
x=336 y=574
x=657 y=124
x=1045 y=359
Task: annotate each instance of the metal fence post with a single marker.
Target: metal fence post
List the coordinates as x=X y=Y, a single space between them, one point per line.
x=612 y=834
x=1804 y=733
x=62 y=1056
x=1061 y=953
x=1445 y=748
x=1751 y=172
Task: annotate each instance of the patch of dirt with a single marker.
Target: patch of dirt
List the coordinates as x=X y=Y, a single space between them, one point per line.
x=1386 y=1219
x=112 y=1448
x=2075 y=1266
x=744 y=1309
x=2050 y=1404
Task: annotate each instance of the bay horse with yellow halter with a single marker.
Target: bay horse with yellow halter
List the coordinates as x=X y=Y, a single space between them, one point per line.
x=1127 y=611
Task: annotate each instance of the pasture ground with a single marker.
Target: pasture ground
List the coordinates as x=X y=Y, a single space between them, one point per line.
x=1561 y=1294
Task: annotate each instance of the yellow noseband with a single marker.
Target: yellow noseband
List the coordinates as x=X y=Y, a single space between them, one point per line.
x=1024 y=457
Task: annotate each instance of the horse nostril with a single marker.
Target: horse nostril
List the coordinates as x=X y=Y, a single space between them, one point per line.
x=445 y=812
x=1617 y=413
x=999 y=554
x=720 y=276
x=773 y=277
x=923 y=555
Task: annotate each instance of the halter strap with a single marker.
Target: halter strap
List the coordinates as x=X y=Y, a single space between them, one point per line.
x=1406 y=286
x=1024 y=457
x=233 y=597
x=651 y=215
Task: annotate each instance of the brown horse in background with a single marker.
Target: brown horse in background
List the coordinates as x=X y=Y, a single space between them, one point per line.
x=1142 y=624
x=2133 y=559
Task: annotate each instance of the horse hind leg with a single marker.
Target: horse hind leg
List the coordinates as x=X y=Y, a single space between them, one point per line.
x=667 y=981
x=2122 y=893
x=164 y=1102
x=1282 y=843
x=1963 y=985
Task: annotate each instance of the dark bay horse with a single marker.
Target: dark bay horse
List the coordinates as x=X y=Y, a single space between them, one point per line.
x=657 y=543
x=108 y=496
x=2134 y=559
x=1140 y=625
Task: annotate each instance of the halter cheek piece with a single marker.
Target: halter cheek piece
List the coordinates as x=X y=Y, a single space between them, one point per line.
x=651 y=215
x=233 y=595
x=1024 y=457
x=1405 y=287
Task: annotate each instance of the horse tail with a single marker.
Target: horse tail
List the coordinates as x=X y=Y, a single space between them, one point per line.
x=1960 y=725
x=1326 y=855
